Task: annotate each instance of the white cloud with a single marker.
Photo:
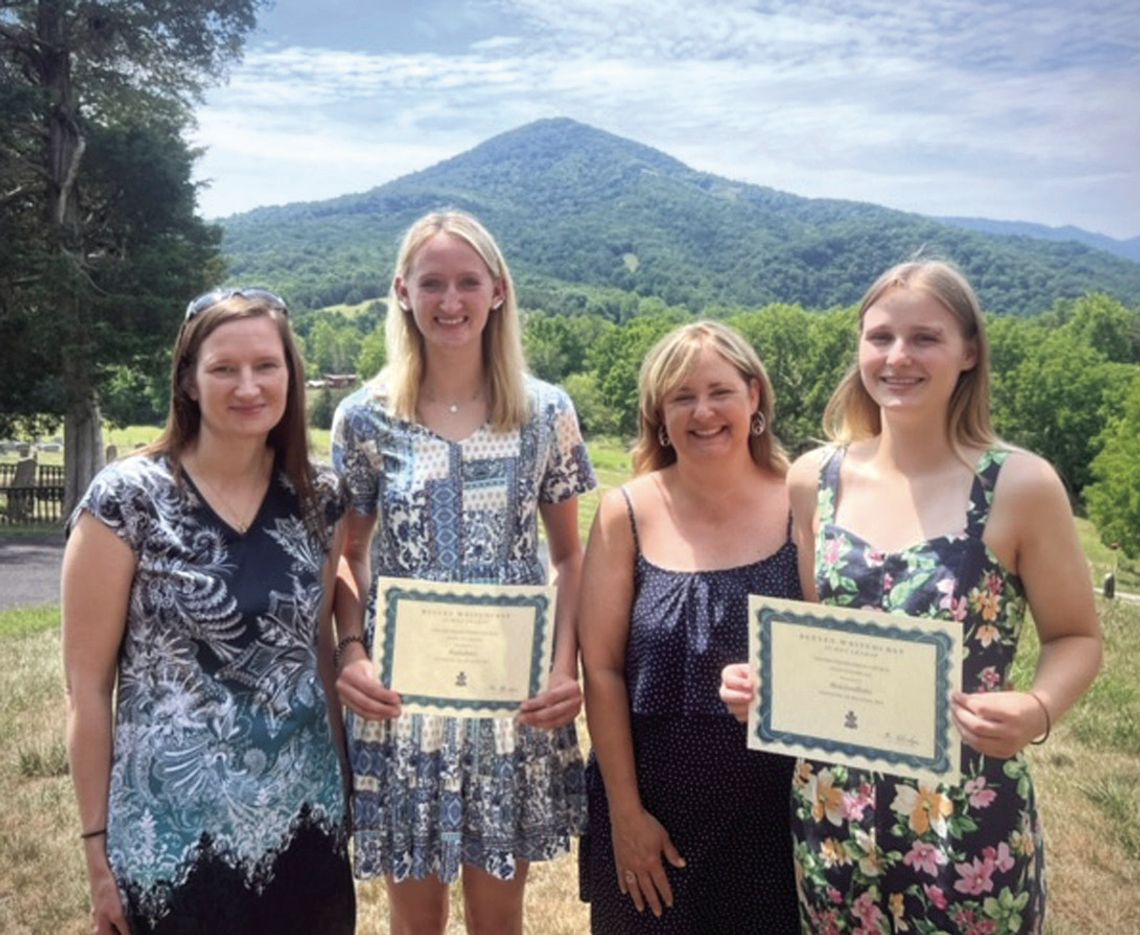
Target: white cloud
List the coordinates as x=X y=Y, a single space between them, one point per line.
x=949 y=107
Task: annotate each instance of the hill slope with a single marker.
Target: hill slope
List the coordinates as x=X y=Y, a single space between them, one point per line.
x=572 y=204
x=1129 y=249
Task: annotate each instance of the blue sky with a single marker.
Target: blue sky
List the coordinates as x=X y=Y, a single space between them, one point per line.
x=1011 y=110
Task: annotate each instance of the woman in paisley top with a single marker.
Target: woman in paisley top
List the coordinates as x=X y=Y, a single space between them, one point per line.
x=197 y=578
x=454 y=452
x=918 y=509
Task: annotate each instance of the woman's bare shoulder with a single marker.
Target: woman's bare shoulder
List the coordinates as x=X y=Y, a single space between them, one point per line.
x=804 y=472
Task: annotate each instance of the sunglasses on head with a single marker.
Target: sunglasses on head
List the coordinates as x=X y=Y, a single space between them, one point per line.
x=210 y=299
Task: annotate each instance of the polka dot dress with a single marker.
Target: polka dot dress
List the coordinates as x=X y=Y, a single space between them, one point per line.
x=725 y=807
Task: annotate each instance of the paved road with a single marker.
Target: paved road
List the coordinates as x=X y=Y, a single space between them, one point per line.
x=29 y=571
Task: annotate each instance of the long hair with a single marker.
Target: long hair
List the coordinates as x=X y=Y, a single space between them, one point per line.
x=852 y=414
x=503 y=359
x=666 y=367
x=289 y=438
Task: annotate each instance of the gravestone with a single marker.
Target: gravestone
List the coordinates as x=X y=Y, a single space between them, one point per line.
x=22 y=495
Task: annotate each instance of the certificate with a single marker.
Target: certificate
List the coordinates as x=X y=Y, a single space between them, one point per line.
x=861 y=688
x=467 y=650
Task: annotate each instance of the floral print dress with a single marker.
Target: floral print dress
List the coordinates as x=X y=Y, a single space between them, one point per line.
x=432 y=793
x=877 y=853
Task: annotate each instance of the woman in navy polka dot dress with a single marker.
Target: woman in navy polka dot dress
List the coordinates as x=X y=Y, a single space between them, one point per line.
x=688 y=829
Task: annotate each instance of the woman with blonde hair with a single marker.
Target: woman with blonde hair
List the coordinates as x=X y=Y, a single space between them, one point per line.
x=917 y=508
x=685 y=821
x=204 y=737
x=455 y=452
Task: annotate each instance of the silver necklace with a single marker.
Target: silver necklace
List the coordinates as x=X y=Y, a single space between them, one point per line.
x=453 y=407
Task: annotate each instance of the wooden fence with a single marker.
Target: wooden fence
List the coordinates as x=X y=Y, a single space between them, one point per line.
x=24 y=503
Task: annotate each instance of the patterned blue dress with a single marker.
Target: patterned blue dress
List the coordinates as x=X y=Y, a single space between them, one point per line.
x=725 y=807
x=880 y=853
x=227 y=806
x=432 y=793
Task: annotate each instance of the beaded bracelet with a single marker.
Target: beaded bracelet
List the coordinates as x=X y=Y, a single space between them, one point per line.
x=1048 y=720
x=338 y=653
x=97 y=833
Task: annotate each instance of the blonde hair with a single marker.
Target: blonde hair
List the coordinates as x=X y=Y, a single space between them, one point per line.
x=503 y=359
x=852 y=414
x=666 y=367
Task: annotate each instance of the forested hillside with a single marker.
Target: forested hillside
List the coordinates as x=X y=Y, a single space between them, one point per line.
x=1129 y=249
x=588 y=219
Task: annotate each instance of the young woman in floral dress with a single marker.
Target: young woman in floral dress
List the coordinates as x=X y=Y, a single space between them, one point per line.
x=918 y=509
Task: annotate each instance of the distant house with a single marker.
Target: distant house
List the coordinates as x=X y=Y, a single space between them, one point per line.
x=332 y=381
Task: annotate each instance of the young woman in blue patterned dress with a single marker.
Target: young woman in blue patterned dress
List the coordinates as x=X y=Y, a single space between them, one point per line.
x=688 y=828
x=452 y=454
x=197 y=581
x=919 y=509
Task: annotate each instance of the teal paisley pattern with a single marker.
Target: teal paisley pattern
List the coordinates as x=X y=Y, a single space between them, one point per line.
x=223 y=754
x=877 y=853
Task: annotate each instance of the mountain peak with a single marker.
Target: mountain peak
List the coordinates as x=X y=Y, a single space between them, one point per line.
x=547 y=143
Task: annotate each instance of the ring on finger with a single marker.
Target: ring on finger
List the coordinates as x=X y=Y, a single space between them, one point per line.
x=630 y=877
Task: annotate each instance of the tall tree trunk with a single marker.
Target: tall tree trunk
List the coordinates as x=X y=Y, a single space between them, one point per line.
x=82 y=448
x=82 y=427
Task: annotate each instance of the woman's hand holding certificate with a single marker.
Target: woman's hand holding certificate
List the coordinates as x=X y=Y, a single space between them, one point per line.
x=556 y=707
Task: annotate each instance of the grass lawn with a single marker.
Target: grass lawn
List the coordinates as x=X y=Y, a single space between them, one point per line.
x=1103 y=560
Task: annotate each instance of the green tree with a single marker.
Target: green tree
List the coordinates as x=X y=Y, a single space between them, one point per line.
x=1104 y=324
x=97 y=95
x=373 y=355
x=1059 y=400
x=128 y=397
x=333 y=346
x=1114 y=498
x=323 y=406
x=805 y=354
x=557 y=345
x=595 y=416
x=616 y=361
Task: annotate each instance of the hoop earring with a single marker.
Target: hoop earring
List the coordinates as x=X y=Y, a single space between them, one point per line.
x=663 y=437
x=495 y=306
x=758 y=423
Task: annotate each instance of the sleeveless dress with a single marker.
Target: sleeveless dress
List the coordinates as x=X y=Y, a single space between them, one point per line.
x=432 y=793
x=725 y=807
x=880 y=853
x=226 y=807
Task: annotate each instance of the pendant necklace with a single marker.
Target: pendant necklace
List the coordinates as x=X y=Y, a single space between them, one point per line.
x=240 y=520
x=454 y=407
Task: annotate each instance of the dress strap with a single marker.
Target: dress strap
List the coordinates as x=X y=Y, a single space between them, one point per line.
x=828 y=492
x=982 y=493
x=632 y=519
